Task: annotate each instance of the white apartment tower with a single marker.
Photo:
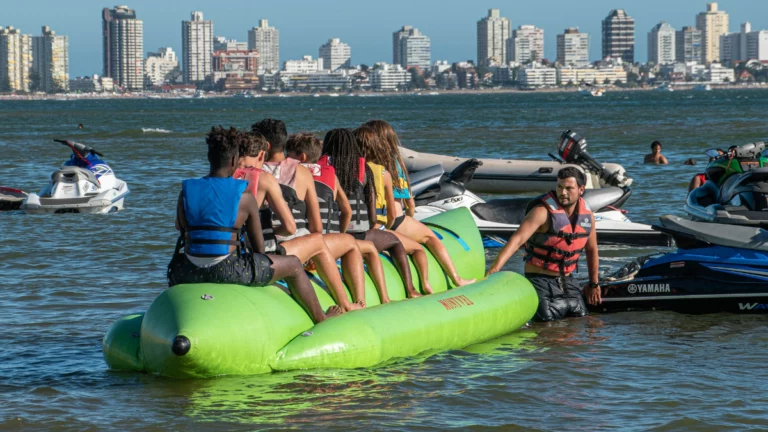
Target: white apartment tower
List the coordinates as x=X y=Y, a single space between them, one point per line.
x=661 y=44
x=160 y=67
x=688 y=45
x=526 y=44
x=573 y=48
x=197 y=48
x=713 y=23
x=123 y=37
x=493 y=32
x=265 y=40
x=336 y=55
x=619 y=36
x=411 y=49
x=15 y=60
x=50 y=61
x=744 y=45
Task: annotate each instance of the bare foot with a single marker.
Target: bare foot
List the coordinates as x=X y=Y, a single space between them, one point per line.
x=385 y=300
x=333 y=311
x=461 y=282
x=413 y=294
x=427 y=288
x=356 y=305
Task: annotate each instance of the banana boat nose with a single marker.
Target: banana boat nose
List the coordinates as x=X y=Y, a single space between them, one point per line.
x=181 y=345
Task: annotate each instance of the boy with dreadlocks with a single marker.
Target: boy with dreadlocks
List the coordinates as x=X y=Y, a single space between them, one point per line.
x=298 y=190
x=211 y=213
x=335 y=209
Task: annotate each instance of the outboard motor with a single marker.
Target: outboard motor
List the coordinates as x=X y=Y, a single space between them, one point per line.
x=572 y=148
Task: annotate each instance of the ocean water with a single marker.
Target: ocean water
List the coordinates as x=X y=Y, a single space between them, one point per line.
x=65 y=278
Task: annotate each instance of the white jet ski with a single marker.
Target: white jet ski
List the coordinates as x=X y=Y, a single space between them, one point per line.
x=84 y=184
x=498 y=219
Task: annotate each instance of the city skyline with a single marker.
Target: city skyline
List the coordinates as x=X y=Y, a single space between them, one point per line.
x=304 y=28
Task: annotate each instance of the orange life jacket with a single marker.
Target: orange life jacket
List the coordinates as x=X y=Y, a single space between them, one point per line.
x=558 y=249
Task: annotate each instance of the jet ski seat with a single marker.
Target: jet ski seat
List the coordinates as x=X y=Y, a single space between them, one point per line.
x=512 y=210
x=72 y=174
x=505 y=211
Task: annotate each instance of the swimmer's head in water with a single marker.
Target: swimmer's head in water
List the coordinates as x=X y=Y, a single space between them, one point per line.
x=656 y=144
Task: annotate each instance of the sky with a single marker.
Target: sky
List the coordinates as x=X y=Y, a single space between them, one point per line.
x=367 y=27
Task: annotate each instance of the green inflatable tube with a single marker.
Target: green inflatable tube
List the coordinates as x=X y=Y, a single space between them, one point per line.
x=206 y=330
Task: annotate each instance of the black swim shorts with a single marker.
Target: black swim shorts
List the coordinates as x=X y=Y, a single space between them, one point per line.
x=358 y=235
x=559 y=297
x=252 y=269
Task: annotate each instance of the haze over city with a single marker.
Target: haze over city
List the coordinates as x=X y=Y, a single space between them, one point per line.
x=305 y=25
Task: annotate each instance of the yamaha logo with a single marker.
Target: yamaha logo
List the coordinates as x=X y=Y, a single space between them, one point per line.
x=648 y=288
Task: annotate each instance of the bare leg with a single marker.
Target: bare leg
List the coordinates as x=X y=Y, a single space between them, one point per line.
x=312 y=246
x=419 y=260
x=420 y=233
x=375 y=268
x=290 y=269
x=388 y=241
x=345 y=247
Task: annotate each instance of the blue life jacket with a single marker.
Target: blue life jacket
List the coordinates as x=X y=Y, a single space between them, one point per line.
x=210 y=207
x=400 y=188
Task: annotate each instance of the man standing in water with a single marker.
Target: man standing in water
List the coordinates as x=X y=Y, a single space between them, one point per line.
x=655 y=157
x=556 y=228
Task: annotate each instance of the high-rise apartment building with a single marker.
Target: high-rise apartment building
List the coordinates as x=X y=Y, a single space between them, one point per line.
x=619 y=36
x=661 y=44
x=526 y=44
x=493 y=32
x=160 y=67
x=744 y=45
x=573 y=48
x=688 y=45
x=411 y=49
x=50 y=62
x=197 y=48
x=123 y=37
x=336 y=55
x=15 y=60
x=265 y=40
x=713 y=23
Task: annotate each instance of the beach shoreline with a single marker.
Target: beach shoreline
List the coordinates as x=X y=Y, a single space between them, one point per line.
x=423 y=92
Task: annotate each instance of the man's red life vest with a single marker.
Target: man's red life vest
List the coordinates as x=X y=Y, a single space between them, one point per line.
x=558 y=249
x=702 y=178
x=251 y=175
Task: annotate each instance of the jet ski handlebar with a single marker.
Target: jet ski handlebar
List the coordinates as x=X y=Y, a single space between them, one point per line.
x=81 y=149
x=464 y=172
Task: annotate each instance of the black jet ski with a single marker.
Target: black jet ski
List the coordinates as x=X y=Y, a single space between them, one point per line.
x=717 y=268
x=11 y=199
x=736 y=191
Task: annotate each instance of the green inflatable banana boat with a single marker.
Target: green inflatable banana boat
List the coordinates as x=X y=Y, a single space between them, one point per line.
x=205 y=330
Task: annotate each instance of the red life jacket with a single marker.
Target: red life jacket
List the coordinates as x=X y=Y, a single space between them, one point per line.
x=251 y=175
x=357 y=199
x=325 y=185
x=558 y=249
x=702 y=178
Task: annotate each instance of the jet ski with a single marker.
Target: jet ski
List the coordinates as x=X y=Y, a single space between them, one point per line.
x=498 y=219
x=717 y=268
x=736 y=190
x=506 y=176
x=84 y=184
x=10 y=198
